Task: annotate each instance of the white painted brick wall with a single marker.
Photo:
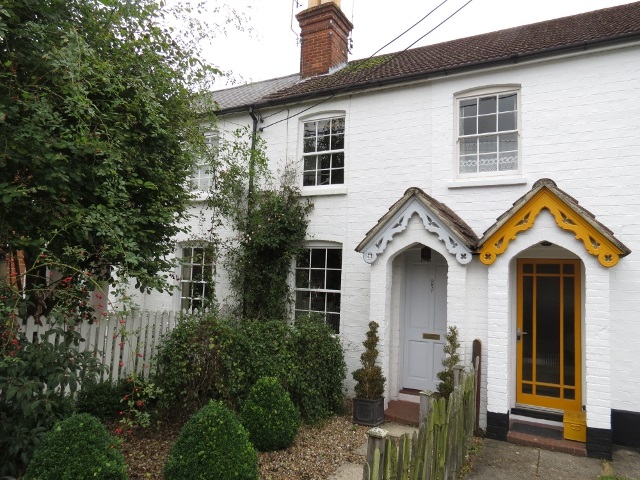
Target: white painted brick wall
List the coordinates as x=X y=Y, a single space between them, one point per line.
x=580 y=119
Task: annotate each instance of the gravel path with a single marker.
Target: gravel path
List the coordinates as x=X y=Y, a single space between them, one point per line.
x=316 y=453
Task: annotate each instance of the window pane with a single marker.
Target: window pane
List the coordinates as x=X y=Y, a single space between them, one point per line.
x=310 y=162
x=310 y=129
x=317 y=279
x=302 y=300
x=323 y=143
x=337 y=125
x=324 y=127
x=334 y=258
x=487 y=105
x=468 y=146
x=318 y=257
x=333 y=302
x=507 y=121
x=325 y=161
x=337 y=142
x=468 y=126
x=489 y=144
x=509 y=142
x=303 y=259
x=338 y=160
x=333 y=279
x=302 y=278
x=337 y=177
x=487 y=124
x=324 y=177
x=469 y=164
x=508 y=161
x=333 y=320
x=309 y=145
x=488 y=163
x=318 y=301
x=469 y=108
x=309 y=179
x=568 y=268
x=507 y=103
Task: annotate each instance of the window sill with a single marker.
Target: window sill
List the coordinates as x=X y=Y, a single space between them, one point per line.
x=486 y=182
x=323 y=190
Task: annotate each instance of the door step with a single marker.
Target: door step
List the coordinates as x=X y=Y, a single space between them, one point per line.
x=547 y=435
x=404 y=413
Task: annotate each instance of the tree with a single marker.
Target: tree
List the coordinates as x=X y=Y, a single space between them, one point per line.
x=97 y=134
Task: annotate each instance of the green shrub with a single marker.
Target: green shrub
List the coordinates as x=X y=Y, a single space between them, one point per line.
x=32 y=394
x=318 y=389
x=77 y=448
x=190 y=364
x=101 y=399
x=270 y=416
x=213 y=445
x=207 y=357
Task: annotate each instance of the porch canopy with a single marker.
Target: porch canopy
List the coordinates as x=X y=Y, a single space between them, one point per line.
x=438 y=219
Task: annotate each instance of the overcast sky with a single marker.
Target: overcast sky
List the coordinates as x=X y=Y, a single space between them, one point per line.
x=272 y=49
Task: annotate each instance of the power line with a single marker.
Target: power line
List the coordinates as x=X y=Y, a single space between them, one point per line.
x=373 y=54
x=392 y=57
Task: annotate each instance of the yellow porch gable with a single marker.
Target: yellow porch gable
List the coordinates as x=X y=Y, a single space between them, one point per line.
x=566 y=217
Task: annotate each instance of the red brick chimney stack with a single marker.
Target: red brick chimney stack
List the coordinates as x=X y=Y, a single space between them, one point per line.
x=324 y=33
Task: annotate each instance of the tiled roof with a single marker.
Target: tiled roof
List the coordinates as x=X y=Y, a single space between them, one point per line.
x=509 y=46
x=252 y=93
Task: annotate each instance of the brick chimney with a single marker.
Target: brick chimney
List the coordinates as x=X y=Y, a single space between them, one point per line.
x=324 y=33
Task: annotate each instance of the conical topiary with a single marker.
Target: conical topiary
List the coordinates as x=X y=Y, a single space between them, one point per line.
x=369 y=379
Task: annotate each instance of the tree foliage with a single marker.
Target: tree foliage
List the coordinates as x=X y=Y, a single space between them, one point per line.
x=96 y=124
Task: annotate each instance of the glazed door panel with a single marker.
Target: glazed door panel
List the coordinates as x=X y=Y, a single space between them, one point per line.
x=548 y=334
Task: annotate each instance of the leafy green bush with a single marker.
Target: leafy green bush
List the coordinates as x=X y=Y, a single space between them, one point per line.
x=33 y=383
x=318 y=389
x=270 y=416
x=212 y=445
x=101 y=399
x=191 y=360
x=77 y=448
x=207 y=357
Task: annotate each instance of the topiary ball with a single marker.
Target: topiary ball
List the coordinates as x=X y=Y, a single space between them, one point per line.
x=270 y=416
x=77 y=448
x=212 y=445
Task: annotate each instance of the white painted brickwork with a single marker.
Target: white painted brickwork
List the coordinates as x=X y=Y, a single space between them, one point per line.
x=580 y=126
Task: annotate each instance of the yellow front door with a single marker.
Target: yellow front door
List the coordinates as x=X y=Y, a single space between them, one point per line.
x=548 y=334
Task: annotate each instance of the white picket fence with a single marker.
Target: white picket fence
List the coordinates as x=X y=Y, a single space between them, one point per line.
x=134 y=353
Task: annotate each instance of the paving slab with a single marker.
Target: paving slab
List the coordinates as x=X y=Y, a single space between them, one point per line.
x=497 y=460
x=347 y=471
x=626 y=462
x=562 y=466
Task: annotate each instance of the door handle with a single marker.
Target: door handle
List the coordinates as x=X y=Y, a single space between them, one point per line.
x=519 y=334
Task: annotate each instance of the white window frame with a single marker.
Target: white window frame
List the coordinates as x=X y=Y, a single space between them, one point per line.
x=201 y=178
x=488 y=91
x=327 y=293
x=186 y=278
x=323 y=188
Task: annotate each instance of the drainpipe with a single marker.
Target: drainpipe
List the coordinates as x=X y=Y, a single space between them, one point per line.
x=250 y=189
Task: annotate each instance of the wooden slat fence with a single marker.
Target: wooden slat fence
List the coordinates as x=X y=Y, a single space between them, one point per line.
x=124 y=342
x=439 y=450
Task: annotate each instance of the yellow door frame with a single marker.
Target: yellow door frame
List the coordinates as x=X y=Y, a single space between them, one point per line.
x=532 y=398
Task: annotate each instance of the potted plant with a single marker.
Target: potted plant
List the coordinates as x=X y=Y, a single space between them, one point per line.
x=368 y=404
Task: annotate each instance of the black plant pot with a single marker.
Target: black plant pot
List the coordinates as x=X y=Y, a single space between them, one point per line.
x=368 y=412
